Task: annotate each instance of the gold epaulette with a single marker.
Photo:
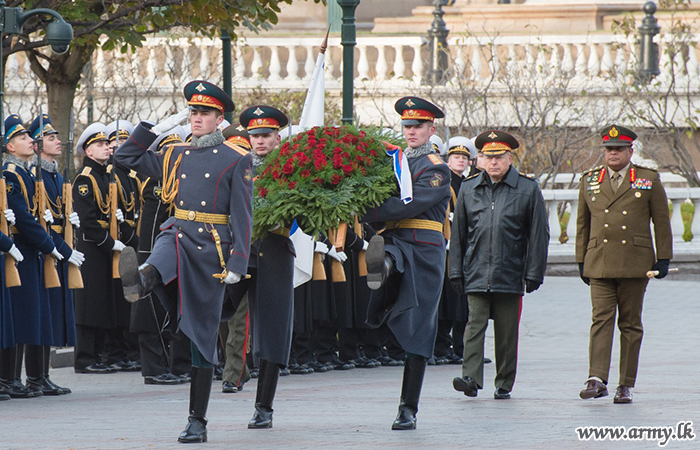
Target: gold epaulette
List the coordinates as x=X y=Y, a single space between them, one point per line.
x=237 y=148
x=592 y=169
x=435 y=159
x=526 y=176
x=11 y=167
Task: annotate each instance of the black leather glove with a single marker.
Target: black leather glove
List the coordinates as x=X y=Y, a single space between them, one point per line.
x=532 y=286
x=457 y=285
x=662 y=266
x=580 y=273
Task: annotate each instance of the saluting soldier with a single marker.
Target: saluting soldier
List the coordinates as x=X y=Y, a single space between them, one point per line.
x=407 y=273
x=148 y=314
x=614 y=251
x=95 y=304
x=30 y=301
x=271 y=286
x=207 y=241
x=61 y=298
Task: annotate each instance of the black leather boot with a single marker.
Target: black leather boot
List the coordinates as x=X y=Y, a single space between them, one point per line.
x=34 y=364
x=200 y=388
x=47 y=358
x=379 y=264
x=10 y=383
x=267 y=386
x=413 y=372
x=137 y=281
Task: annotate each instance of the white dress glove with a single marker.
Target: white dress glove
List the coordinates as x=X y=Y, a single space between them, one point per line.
x=10 y=216
x=120 y=216
x=171 y=122
x=365 y=245
x=48 y=217
x=232 y=278
x=118 y=246
x=15 y=253
x=76 y=258
x=56 y=255
x=321 y=248
x=74 y=219
x=338 y=256
x=452 y=216
x=447 y=246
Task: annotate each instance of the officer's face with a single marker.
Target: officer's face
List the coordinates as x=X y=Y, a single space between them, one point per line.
x=417 y=135
x=52 y=145
x=21 y=146
x=497 y=165
x=618 y=157
x=204 y=122
x=264 y=143
x=458 y=162
x=98 y=151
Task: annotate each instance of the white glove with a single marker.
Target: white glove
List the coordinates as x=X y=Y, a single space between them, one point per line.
x=56 y=255
x=171 y=122
x=76 y=258
x=452 y=216
x=321 y=248
x=14 y=251
x=10 y=216
x=74 y=219
x=365 y=245
x=232 y=278
x=48 y=217
x=118 y=246
x=338 y=256
x=447 y=246
x=120 y=216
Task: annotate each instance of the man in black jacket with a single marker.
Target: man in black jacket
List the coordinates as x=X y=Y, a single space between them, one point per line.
x=499 y=245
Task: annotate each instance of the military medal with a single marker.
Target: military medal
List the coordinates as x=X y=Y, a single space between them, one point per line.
x=638 y=194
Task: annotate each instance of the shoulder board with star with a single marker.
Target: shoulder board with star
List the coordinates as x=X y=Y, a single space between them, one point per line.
x=646 y=166
x=435 y=159
x=524 y=175
x=237 y=148
x=173 y=145
x=86 y=171
x=586 y=172
x=11 y=167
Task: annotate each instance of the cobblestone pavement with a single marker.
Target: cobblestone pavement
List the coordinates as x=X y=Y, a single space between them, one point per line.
x=354 y=409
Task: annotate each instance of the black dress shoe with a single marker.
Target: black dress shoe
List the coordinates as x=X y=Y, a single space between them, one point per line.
x=4 y=397
x=388 y=361
x=96 y=368
x=15 y=389
x=284 y=372
x=593 y=389
x=184 y=378
x=363 y=363
x=317 y=366
x=254 y=373
x=454 y=359
x=501 y=394
x=466 y=385
x=163 y=379
x=126 y=366
x=64 y=390
x=340 y=365
x=39 y=384
x=623 y=395
x=228 y=387
x=296 y=369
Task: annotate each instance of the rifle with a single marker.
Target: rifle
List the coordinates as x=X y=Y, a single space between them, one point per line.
x=113 y=205
x=75 y=278
x=11 y=273
x=51 y=278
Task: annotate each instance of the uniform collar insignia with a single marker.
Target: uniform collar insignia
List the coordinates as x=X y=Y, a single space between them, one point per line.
x=409 y=103
x=200 y=88
x=258 y=112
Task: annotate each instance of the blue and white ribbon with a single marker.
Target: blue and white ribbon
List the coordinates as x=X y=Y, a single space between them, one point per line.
x=403 y=173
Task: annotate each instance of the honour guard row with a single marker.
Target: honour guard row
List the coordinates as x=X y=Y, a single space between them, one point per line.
x=162 y=214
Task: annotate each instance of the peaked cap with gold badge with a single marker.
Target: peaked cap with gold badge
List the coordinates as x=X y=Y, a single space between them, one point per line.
x=13 y=127
x=261 y=119
x=415 y=110
x=237 y=134
x=34 y=130
x=494 y=142
x=204 y=96
x=125 y=130
x=461 y=145
x=94 y=133
x=617 y=136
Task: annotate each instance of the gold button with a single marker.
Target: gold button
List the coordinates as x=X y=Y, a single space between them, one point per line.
x=606 y=225
x=204 y=203
x=181 y=203
x=199 y=248
x=201 y=230
x=260 y=254
x=179 y=235
x=624 y=242
x=191 y=215
x=624 y=213
x=607 y=211
x=183 y=176
x=216 y=151
x=206 y=175
x=187 y=152
x=605 y=241
x=624 y=227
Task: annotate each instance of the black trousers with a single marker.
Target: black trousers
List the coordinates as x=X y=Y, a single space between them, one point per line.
x=153 y=361
x=89 y=344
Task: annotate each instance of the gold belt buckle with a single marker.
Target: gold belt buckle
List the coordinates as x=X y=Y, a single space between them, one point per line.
x=191 y=215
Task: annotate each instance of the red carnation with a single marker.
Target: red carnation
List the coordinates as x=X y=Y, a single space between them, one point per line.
x=263 y=192
x=288 y=168
x=335 y=179
x=347 y=169
x=305 y=173
x=292 y=185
